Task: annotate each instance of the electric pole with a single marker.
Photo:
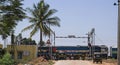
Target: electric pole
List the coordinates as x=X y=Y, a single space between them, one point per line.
x=118 y=48
x=54 y=38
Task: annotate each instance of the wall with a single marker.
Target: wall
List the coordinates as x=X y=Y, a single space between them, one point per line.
x=1 y=45
x=23 y=53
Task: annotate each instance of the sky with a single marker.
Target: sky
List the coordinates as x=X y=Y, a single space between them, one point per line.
x=78 y=17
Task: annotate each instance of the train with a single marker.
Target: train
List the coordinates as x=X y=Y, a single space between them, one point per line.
x=73 y=52
x=113 y=52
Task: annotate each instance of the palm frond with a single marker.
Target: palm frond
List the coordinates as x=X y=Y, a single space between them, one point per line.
x=2 y=24
x=47 y=30
x=50 y=13
x=54 y=21
x=41 y=4
x=35 y=7
x=29 y=10
x=32 y=19
x=34 y=31
x=35 y=13
x=46 y=9
x=54 y=18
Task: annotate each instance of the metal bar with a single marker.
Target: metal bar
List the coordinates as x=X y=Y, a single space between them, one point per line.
x=69 y=37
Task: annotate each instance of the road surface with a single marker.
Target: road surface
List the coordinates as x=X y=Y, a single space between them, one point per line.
x=78 y=62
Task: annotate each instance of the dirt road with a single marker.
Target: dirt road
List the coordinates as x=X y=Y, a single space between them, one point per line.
x=78 y=62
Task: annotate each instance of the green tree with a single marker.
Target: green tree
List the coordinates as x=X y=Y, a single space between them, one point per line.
x=6 y=60
x=28 y=41
x=11 y=12
x=42 y=19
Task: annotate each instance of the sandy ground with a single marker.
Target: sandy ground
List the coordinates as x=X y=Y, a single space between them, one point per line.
x=79 y=62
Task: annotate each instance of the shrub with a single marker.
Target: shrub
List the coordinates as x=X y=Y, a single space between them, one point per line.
x=6 y=60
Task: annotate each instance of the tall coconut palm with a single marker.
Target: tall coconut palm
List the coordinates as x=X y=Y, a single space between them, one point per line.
x=11 y=12
x=42 y=19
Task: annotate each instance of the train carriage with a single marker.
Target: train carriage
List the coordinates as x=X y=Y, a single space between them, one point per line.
x=77 y=52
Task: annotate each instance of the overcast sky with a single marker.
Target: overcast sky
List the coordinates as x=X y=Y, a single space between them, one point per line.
x=78 y=17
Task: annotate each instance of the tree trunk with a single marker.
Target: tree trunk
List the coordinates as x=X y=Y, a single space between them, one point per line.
x=41 y=37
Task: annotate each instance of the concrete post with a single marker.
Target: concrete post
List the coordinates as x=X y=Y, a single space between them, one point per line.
x=118 y=50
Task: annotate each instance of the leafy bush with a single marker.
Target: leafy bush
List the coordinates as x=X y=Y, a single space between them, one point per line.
x=6 y=60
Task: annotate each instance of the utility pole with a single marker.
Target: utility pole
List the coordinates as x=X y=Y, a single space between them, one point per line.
x=118 y=48
x=91 y=42
x=54 y=38
x=89 y=45
x=118 y=34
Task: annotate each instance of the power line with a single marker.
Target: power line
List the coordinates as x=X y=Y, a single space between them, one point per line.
x=99 y=39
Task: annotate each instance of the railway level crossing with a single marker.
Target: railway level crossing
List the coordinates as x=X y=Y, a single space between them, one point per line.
x=90 y=37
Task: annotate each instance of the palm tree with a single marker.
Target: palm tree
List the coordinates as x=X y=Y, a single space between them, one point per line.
x=42 y=19
x=10 y=13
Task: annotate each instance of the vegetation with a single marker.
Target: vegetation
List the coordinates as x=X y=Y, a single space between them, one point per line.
x=42 y=19
x=6 y=60
x=28 y=41
x=11 y=13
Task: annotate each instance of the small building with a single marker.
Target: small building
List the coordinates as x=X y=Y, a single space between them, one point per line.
x=22 y=53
